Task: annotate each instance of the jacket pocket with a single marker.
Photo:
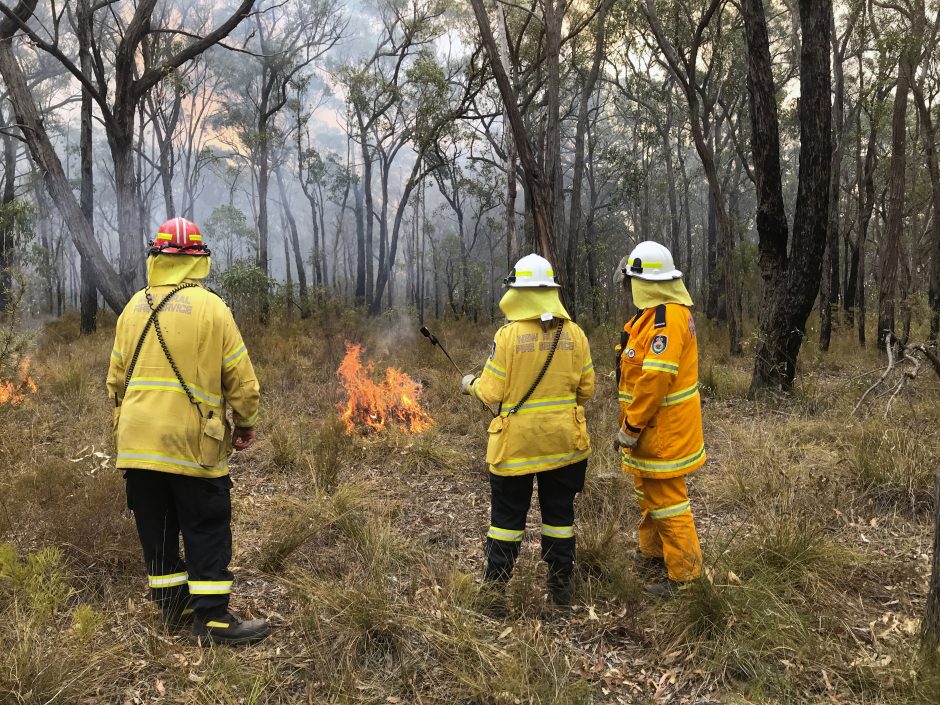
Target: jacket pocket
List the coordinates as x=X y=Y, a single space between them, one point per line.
x=582 y=440
x=498 y=433
x=212 y=440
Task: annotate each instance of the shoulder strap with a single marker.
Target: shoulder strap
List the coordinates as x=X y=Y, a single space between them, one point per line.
x=548 y=361
x=152 y=321
x=660 y=318
x=624 y=339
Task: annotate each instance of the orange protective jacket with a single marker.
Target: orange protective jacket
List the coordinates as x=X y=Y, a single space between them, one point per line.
x=658 y=393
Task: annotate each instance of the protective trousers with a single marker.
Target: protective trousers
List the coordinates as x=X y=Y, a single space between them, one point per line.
x=667 y=529
x=510 y=499
x=166 y=505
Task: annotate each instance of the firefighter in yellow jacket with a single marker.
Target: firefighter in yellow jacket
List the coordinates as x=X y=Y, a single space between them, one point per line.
x=540 y=374
x=660 y=434
x=178 y=363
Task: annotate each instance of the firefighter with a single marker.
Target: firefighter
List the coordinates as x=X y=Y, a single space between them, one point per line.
x=660 y=435
x=540 y=373
x=178 y=363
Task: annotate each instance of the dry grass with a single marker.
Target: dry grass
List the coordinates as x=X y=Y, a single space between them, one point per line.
x=366 y=551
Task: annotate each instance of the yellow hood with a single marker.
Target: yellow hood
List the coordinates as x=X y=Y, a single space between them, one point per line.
x=648 y=294
x=527 y=304
x=171 y=270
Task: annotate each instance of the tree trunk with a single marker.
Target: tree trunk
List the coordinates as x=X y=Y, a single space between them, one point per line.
x=387 y=268
x=930 y=627
x=367 y=214
x=933 y=168
x=360 y=295
x=890 y=251
x=288 y=282
x=89 y=292
x=789 y=287
x=295 y=242
x=46 y=158
x=577 y=179
x=554 y=15
x=540 y=185
x=7 y=225
x=829 y=295
x=509 y=144
x=712 y=270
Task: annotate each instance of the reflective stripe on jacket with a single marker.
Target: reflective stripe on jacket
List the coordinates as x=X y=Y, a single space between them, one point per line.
x=549 y=431
x=156 y=426
x=658 y=394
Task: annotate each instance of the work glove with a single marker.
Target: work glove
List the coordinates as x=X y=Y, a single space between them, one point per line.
x=466 y=382
x=625 y=440
x=242 y=438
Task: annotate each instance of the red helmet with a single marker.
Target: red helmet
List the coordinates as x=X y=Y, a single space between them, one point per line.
x=178 y=237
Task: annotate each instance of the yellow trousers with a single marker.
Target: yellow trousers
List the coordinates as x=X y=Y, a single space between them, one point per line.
x=667 y=529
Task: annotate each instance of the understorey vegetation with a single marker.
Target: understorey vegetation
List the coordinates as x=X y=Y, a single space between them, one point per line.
x=365 y=551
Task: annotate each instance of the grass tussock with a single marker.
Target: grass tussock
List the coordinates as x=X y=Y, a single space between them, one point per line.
x=37 y=597
x=895 y=466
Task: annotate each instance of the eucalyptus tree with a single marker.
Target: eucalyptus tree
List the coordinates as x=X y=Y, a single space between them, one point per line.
x=277 y=47
x=118 y=88
x=910 y=42
x=373 y=92
x=694 y=26
x=432 y=96
x=790 y=269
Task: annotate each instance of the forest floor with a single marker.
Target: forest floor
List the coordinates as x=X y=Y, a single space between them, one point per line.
x=365 y=552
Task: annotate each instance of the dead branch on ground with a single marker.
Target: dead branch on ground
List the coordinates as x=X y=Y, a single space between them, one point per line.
x=903 y=368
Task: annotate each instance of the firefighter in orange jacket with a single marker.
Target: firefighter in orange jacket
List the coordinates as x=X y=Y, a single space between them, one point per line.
x=660 y=435
x=540 y=373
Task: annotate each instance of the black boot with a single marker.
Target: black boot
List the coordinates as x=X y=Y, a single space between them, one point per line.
x=559 y=588
x=229 y=629
x=668 y=589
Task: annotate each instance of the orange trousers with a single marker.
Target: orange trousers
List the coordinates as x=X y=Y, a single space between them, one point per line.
x=667 y=529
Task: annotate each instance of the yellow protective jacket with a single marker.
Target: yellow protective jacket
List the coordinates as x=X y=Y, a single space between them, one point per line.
x=549 y=430
x=156 y=426
x=658 y=392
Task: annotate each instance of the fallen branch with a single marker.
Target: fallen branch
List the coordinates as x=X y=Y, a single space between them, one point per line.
x=897 y=357
x=904 y=379
x=931 y=356
x=889 y=340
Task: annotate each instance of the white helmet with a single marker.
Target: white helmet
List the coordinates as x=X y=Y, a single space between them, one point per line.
x=531 y=271
x=652 y=262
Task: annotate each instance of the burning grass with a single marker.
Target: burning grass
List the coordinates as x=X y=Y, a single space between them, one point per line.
x=365 y=549
x=372 y=406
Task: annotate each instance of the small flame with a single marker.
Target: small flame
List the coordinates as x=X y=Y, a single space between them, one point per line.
x=14 y=392
x=372 y=405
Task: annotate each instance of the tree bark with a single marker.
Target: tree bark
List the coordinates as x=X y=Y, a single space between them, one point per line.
x=829 y=295
x=789 y=287
x=933 y=169
x=6 y=228
x=930 y=627
x=89 y=291
x=295 y=242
